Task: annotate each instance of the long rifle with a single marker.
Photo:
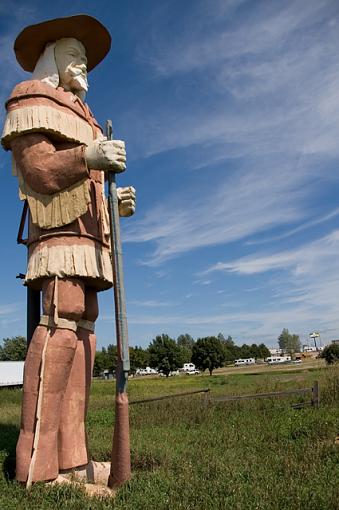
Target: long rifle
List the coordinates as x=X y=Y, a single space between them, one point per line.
x=121 y=457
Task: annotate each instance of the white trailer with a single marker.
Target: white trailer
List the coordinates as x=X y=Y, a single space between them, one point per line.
x=274 y=360
x=244 y=362
x=11 y=373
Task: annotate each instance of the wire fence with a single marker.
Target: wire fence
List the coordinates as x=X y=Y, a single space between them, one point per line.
x=314 y=392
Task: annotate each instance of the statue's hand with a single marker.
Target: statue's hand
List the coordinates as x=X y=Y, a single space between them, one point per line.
x=126 y=199
x=107 y=155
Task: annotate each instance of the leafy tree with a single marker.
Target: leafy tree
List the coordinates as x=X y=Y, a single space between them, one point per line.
x=139 y=358
x=289 y=343
x=254 y=351
x=165 y=354
x=230 y=349
x=208 y=353
x=99 y=363
x=221 y=337
x=185 y=342
x=111 y=359
x=106 y=359
x=245 y=351
x=13 y=349
x=331 y=353
x=263 y=351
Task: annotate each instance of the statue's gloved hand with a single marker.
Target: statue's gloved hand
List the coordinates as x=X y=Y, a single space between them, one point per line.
x=126 y=199
x=107 y=155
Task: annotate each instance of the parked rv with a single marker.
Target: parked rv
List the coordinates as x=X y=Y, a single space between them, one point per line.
x=11 y=373
x=189 y=369
x=244 y=361
x=273 y=360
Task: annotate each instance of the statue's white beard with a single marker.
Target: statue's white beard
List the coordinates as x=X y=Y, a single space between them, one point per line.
x=80 y=83
x=78 y=78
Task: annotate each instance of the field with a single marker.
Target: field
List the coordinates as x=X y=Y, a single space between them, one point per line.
x=189 y=454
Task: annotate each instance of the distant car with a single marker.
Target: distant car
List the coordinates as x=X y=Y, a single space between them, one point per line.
x=296 y=361
x=192 y=372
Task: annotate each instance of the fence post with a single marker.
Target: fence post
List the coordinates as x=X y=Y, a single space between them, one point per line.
x=315 y=394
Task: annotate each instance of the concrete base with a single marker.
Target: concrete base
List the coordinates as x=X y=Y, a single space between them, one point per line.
x=91 y=489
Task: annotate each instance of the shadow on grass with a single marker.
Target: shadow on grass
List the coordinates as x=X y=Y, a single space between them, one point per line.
x=8 y=438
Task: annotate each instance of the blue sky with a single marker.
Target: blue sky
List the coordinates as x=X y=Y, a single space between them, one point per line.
x=230 y=113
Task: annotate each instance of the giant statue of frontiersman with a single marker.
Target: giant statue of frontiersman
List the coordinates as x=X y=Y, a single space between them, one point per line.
x=60 y=158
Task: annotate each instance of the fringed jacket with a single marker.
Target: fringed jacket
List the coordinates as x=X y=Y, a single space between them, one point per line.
x=47 y=131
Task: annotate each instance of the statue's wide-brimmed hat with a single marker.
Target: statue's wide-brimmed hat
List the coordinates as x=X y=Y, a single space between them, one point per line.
x=31 y=42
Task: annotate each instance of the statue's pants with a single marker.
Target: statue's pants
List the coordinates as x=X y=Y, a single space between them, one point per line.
x=57 y=379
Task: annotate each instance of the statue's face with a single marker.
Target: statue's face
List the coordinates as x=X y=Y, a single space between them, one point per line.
x=71 y=61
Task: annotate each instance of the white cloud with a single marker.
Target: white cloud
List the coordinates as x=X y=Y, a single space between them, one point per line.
x=11 y=313
x=266 y=27
x=203 y=282
x=10 y=71
x=9 y=309
x=304 y=291
x=310 y=258
x=149 y=303
x=241 y=205
x=296 y=230
x=269 y=97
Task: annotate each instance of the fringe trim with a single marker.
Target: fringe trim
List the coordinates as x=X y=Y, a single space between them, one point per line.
x=52 y=211
x=70 y=261
x=30 y=119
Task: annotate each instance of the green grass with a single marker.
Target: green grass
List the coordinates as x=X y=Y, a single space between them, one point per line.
x=187 y=454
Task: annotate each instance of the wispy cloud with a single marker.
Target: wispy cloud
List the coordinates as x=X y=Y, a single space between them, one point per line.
x=149 y=303
x=18 y=16
x=7 y=310
x=243 y=204
x=311 y=258
x=268 y=97
x=303 y=289
x=304 y=226
x=11 y=313
x=253 y=34
x=250 y=326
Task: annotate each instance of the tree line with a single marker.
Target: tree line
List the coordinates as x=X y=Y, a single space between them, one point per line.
x=168 y=354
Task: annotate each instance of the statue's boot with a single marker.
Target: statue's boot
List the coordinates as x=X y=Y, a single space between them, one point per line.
x=72 y=440
x=47 y=369
x=91 y=489
x=92 y=472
